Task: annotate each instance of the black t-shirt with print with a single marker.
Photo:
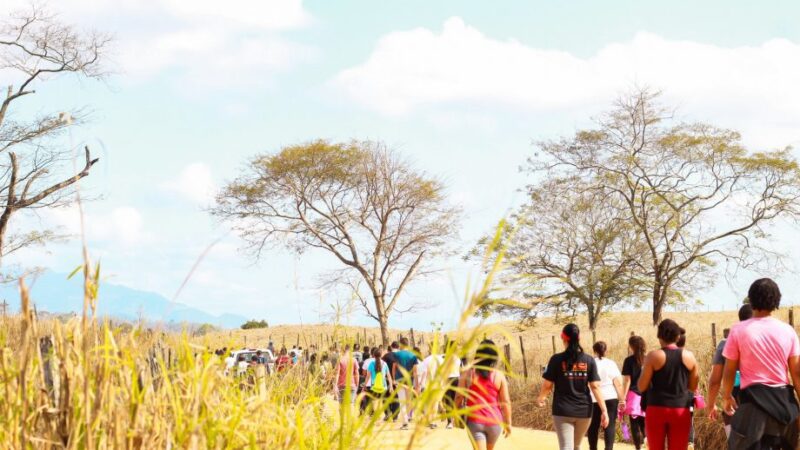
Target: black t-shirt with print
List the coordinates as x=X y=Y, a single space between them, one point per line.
x=633 y=370
x=571 y=385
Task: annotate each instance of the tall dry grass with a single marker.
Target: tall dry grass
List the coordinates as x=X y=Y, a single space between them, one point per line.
x=84 y=384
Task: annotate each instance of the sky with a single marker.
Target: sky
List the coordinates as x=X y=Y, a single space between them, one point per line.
x=461 y=88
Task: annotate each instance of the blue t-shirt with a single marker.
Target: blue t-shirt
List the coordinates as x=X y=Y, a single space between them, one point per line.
x=407 y=360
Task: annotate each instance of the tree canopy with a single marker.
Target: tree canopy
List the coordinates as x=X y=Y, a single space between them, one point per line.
x=690 y=191
x=381 y=219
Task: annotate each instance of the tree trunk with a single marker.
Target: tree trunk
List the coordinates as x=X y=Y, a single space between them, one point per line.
x=592 y=313
x=383 y=321
x=659 y=298
x=4 y=218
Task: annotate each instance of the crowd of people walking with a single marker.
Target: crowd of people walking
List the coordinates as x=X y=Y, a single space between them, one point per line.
x=755 y=373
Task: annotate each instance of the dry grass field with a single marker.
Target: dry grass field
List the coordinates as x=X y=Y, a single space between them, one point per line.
x=87 y=384
x=538 y=340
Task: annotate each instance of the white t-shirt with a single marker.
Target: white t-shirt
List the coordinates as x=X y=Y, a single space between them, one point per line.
x=365 y=367
x=608 y=371
x=427 y=369
x=456 y=372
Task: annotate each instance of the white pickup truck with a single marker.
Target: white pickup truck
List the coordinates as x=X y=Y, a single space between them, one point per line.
x=249 y=355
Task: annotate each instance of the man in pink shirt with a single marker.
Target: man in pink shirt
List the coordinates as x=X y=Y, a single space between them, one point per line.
x=346 y=377
x=766 y=352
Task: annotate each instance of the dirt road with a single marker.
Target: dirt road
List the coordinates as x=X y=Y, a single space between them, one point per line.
x=441 y=439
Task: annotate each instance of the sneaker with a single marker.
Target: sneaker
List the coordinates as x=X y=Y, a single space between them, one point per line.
x=433 y=426
x=404 y=427
x=449 y=425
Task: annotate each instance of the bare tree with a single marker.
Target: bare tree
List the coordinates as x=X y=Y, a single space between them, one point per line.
x=692 y=191
x=569 y=250
x=34 y=48
x=380 y=218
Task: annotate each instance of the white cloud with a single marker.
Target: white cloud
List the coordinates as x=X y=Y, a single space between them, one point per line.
x=205 y=43
x=122 y=225
x=194 y=183
x=411 y=70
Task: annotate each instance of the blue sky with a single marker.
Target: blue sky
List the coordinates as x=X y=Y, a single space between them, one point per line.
x=460 y=87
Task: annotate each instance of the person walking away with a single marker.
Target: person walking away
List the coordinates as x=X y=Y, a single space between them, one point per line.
x=404 y=371
x=486 y=399
x=230 y=362
x=346 y=379
x=284 y=361
x=669 y=379
x=631 y=371
x=380 y=382
x=766 y=352
x=426 y=374
x=571 y=375
x=453 y=378
x=715 y=379
x=611 y=386
x=357 y=353
x=366 y=378
x=391 y=360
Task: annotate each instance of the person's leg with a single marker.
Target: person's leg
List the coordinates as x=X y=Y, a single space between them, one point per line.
x=565 y=431
x=492 y=433
x=581 y=425
x=655 y=427
x=680 y=424
x=394 y=406
x=477 y=433
x=610 y=433
x=637 y=431
x=402 y=398
x=594 y=427
x=450 y=401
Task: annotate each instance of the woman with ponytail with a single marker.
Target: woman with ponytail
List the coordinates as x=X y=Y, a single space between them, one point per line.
x=486 y=398
x=572 y=375
x=669 y=379
x=631 y=371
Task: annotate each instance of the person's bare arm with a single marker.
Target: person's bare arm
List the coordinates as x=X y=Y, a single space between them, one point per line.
x=714 y=383
x=647 y=374
x=626 y=384
x=694 y=372
x=505 y=405
x=728 y=378
x=544 y=392
x=621 y=394
x=601 y=402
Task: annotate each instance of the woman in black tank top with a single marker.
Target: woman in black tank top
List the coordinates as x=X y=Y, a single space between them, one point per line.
x=669 y=378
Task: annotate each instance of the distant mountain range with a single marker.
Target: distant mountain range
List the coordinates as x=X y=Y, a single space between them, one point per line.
x=54 y=293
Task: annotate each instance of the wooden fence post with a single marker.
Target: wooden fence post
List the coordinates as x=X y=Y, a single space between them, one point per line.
x=413 y=340
x=791 y=316
x=553 y=338
x=507 y=351
x=524 y=361
x=594 y=336
x=714 y=334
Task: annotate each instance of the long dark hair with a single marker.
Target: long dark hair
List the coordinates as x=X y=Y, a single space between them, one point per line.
x=486 y=358
x=572 y=335
x=639 y=347
x=376 y=353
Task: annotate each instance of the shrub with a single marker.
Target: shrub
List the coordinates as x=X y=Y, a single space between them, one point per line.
x=253 y=324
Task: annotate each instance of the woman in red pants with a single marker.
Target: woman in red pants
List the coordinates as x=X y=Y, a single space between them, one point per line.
x=669 y=378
